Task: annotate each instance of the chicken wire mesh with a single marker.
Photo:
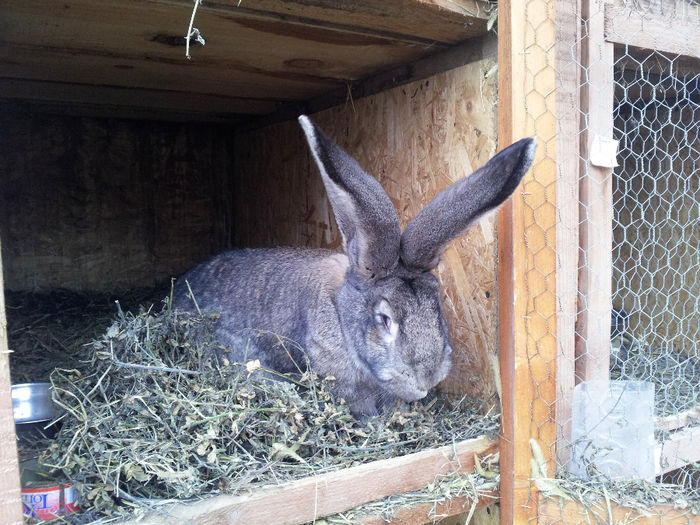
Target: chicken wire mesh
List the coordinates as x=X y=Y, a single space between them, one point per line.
x=645 y=262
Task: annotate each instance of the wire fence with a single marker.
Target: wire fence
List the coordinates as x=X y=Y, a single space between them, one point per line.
x=637 y=254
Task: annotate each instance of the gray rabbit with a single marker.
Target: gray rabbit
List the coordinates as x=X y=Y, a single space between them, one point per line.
x=371 y=316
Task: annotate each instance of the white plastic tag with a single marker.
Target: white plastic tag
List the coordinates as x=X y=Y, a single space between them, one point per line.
x=604 y=152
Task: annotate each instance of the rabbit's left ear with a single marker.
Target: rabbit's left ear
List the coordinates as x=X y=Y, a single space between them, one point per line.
x=365 y=215
x=454 y=209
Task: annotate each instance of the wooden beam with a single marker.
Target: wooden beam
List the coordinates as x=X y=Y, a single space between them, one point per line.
x=676 y=421
x=678 y=450
x=555 y=512
x=10 y=502
x=139 y=44
x=147 y=104
x=568 y=49
x=419 y=22
x=668 y=31
x=465 y=53
x=527 y=257
x=433 y=511
x=314 y=497
x=595 y=262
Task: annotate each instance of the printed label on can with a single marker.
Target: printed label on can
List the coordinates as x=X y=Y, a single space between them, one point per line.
x=69 y=503
x=45 y=503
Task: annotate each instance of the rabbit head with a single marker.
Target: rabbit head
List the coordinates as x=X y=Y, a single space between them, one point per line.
x=389 y=306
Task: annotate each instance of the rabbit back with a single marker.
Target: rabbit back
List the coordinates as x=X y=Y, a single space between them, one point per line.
x=264 y=298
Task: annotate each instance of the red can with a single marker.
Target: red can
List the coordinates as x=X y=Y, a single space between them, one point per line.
x=49 y=502
x=43 y=497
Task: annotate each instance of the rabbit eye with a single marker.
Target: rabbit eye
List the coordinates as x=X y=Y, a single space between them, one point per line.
x=385 y=320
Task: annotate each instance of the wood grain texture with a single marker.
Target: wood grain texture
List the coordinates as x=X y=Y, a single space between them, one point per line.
x=272 y=50
x=595 y=232
x=93 y=204
x=445 y=511
x=647 y=26
x=10 y=502
x=568 y=52
x=417 y=22
x=678 y=420
x=527 y=257
x=118 y=102
x=421 y=69
x=416 y=139
x=553 y=511
x=678 y=450
x=314 y=497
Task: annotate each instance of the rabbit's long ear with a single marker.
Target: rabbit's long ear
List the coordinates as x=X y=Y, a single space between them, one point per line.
x=364 y=213
x=454 y=209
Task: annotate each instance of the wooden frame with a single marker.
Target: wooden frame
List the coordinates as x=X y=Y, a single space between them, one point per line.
x=540 y=281
x=584 y=120
x=314 y=497
x=527 y=270
x=627 y=26
x=10 y=505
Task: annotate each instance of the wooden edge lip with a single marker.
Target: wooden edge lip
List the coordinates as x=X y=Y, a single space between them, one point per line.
x=314 y=497
x=467 y=52
x=646 y=30
x=422 y=513
x=551 y=511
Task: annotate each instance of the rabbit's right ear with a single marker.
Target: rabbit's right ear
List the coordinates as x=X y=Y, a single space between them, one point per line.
x=365 y=215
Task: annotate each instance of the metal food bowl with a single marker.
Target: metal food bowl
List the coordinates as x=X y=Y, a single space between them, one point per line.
x=31 y=403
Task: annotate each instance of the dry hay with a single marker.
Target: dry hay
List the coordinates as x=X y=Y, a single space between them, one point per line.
x=52 y=329
x=641 y=496
x=151 y=416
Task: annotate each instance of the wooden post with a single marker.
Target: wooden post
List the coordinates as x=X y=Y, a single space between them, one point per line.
x=526 y=243
x=568 y=49
x=595 y=263
x=10 y=502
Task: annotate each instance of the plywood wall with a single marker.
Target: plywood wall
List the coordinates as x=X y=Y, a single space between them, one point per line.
x=98 y=204
x=416 y=139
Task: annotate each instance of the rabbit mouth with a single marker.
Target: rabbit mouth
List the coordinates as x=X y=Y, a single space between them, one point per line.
x=415 y=395
x=405 y=392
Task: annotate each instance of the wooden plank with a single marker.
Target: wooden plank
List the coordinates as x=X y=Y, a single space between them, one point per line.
x=144 y=202
x=94 y=100
x=418 y=22
x=314 y=497
x=595 y=274
x=527 y=262
x=10 y=502
x=568 y=52
x=552 y=511
x=466 y=53
x=439 y=511
x=650 y=30
x=514 y=455
x=139 y=44
x=678 y=450
x=676 y=421
x=133 y=72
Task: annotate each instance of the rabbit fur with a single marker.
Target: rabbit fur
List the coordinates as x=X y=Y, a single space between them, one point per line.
x=370 y=316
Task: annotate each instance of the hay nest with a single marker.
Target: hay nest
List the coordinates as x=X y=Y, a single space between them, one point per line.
x=151 y=416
